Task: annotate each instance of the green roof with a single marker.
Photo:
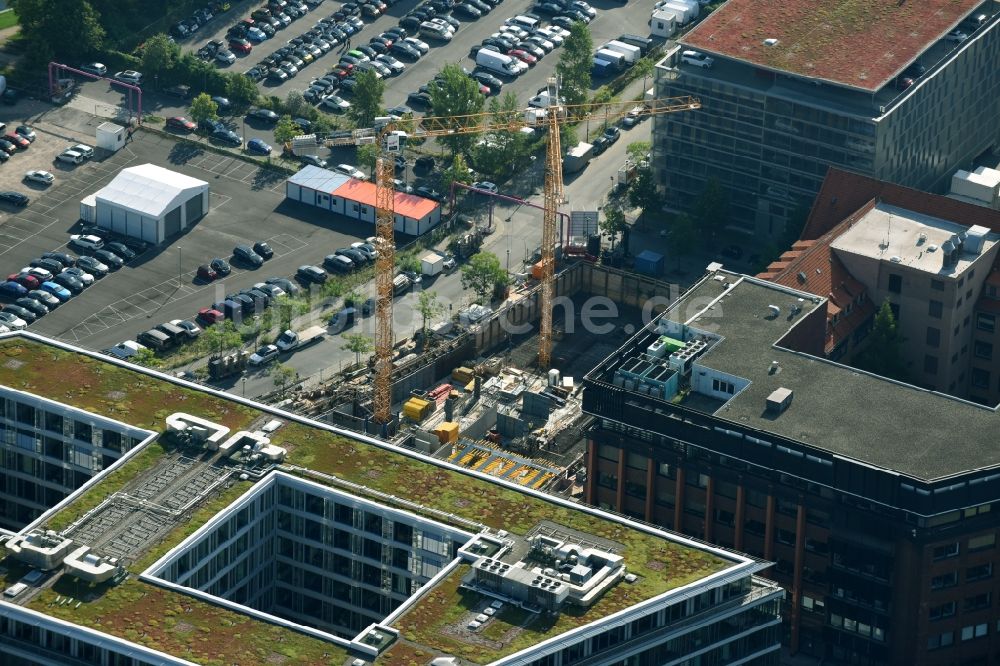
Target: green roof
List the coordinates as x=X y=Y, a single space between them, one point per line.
x=189 y=628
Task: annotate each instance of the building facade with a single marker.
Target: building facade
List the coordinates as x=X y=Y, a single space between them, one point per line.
x=883 y=534
x=770 y=127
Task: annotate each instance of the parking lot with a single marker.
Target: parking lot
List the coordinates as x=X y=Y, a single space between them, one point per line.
x=246 y=205
x=613 y=19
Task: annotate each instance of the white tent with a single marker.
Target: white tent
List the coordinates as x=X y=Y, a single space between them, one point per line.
x=151 y=203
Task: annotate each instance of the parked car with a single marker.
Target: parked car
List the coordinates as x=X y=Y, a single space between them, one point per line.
x=209 y=316
x=130 y=76
x=22 y=313
x=313 y=160
x=221 y=267
x=28 y=303
x=310 y=273
x=206 y=272
x=228 y=136
x=12 y=321
x=82 y=275
x=266 y=115
x=39 y=176
x=180 y=123
x=63 y=258
x=57 y=291
x=350 y=170
x=93 y=266
x=113 y=261
x=264 y=355
x=258 y=147
x=191 y=329
x=246 y=254
x=285 y=284
x=26 y=132
x=263 y=249
x=95 y=68
x=70 y=282
x=11 y=289
x=86 y=241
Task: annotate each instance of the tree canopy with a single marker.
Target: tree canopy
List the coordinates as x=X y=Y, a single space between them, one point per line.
x=502 y=152
x=159 y=54
x=203 y=108
x=575 y=63
x=241 y=90
x=70 y=29
x=456 y=94
x=883 y=355
x=482 y=274
x=367 y=98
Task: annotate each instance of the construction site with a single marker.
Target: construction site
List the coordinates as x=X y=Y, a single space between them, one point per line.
x=472 y=392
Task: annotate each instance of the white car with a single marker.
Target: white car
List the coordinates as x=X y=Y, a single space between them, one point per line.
x=264 y=355
x=130 y=76
x=956 y=35
x=39 y=176
x=83 y=149
x=126 y=349
x=392 y=63
x=419 y=45
x=70 y=157
x=12 y=321
x=39 y=273
x=225 y=56
x=192 y=329
x=697 y=59
x=349 y=170
x=335 y=103
x=86 y=241
x=95 y=68
x=551 y=35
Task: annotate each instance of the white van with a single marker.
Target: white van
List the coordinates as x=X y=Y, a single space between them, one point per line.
x=498 y=63
x=524 y=22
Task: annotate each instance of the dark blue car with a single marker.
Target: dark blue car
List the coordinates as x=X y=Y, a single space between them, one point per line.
x=258 y=147
x=12 y=289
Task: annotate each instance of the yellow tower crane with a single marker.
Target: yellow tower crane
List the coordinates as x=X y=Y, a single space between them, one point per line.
x=389 y=137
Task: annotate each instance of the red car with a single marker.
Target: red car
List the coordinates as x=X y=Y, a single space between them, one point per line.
x=240 y=45
x=206 y=272
x=523 y=56
x=209 y=316
x=17 y=140
x=340 y=72
x=25 y=280
x=181 y=123
x=485 y=90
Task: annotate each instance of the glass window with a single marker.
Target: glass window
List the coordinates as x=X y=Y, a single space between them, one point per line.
x=933 y=336
x=980 y=378
x=895 y=283
x=986 y=322
x=937 y=285
x=982 y=349
x=934 y=309
x=982 y=542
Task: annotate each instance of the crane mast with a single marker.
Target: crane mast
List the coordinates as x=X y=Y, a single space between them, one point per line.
x=387 y=139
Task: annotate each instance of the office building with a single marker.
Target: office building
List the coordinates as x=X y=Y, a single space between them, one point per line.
x=722 y=419
x=235 y=533
x=905 y=92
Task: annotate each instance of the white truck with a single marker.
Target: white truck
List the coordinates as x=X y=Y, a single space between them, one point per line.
x=431 y=264
x=290 y=340
x=631 y=53
x=577 y=157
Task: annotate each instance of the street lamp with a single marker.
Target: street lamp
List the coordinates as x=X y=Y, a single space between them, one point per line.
x=180 y=257
x=244 y=386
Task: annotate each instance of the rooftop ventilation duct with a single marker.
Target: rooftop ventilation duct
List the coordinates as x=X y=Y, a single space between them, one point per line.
x=779 y=400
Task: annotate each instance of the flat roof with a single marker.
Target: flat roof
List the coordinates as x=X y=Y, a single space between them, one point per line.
x=144 y=398
x=907 y=238
x=148 y=189
x=860 y=44
x=835 y=408
x=407 y=205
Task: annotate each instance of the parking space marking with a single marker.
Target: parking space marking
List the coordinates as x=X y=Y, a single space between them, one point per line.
x=212 y=196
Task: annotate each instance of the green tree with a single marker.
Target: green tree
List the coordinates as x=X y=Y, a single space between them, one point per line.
x=637 y=151
x=282 y=375
x=643 y=67
x=219 y=339
x=159 y=54
x=359 y=343
x=146 y=357
x=567 y=136
x=366 y=157
x=502 y=152
x=883 y=355
x=458 y=171
x=70 y=29
x=240 y=90
x=296 y=104
x=483 y=274
x=454 y=94
x=286 y=130
x=683 y=237
x=203 y=108
x=366 y=101
x=287 y=309
x=711 y=209
x=575 y=63
x=614 y=222
x=643 y=193
x=428 y=306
